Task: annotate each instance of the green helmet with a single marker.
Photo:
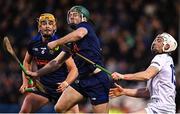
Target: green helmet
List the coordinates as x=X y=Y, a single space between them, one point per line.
x=81 y=10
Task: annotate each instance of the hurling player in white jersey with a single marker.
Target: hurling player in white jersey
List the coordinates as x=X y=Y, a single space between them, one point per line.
x=161 y=79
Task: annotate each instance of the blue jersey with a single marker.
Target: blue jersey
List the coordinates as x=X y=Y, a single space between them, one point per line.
x=96 y=86
x=42 y=55
x=90 y=47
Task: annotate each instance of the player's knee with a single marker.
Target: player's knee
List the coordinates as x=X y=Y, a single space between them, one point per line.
x=24 y=110
x=74 y=109
x=26 y=106
x=60 y=109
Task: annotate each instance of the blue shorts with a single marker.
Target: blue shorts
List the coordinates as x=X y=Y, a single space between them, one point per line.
x=96 y=87
x=51 y=93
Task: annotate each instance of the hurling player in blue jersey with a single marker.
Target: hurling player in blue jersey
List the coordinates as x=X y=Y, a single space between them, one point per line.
x=92 y=83
x=55 y=82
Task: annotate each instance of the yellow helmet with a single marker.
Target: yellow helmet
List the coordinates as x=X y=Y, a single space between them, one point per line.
x=47 y=16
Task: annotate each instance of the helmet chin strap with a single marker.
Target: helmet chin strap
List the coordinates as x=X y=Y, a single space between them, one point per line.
x=152 y=46
x=39 y=30
x=45 y=35
x=45 y=38
x=163 y=48
x=83 y=19
x=166 y=50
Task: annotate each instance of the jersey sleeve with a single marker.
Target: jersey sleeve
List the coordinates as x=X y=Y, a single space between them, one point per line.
x=32 y=42
x=29 y=48
x=84 y=25
x=158 y=61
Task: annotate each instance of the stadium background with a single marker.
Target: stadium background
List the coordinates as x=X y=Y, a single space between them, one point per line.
x=126 y=27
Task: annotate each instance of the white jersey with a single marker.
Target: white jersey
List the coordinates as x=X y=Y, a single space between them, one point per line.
x=162 y=87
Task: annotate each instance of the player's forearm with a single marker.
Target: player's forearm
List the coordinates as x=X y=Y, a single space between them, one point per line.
x=53 y=64
x=72 y=75
x=150 y=72
x=140 y=76
x=50 y=67
x=139 y=93
x=71 y=37
x=27 y=66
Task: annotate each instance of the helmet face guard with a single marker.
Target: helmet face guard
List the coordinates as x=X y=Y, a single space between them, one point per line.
x=168 y=39
x=47 y=18
x=82 y=11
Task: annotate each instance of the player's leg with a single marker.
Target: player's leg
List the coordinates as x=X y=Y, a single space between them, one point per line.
x=98 y=92
x=101 y=108
x=69 y=98
x=74 y=109
x=33 y=102
x=143 y=111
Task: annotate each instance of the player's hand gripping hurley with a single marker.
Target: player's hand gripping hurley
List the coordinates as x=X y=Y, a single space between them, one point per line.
x=39 y=86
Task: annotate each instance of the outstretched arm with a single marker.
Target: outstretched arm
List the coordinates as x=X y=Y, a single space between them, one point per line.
x=52 y=65
x=71 y=37
x=150 y=72
x=139 y=93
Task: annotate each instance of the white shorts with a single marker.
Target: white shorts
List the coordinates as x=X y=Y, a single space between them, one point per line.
x=150 y=110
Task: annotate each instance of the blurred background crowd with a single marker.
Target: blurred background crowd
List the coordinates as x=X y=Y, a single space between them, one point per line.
x=126 y=28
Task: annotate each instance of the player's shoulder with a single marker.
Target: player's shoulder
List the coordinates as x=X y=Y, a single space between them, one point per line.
x=162 y=57
x=55 y=37
x=36 y=37
x=159 y=60
x=87 y=25
x=35 y=40
x=84 y=23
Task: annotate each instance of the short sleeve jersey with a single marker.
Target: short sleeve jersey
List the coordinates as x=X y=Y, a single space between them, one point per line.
x=162 y=86
x=42 y=55
x=90 y=47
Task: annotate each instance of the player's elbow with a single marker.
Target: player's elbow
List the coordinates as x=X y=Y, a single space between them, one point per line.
x=76 y=72
x=146 y=77
x=25 y=62
x=146 y=94
x=80 y=35
x=150 y=72
x=81 y=32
